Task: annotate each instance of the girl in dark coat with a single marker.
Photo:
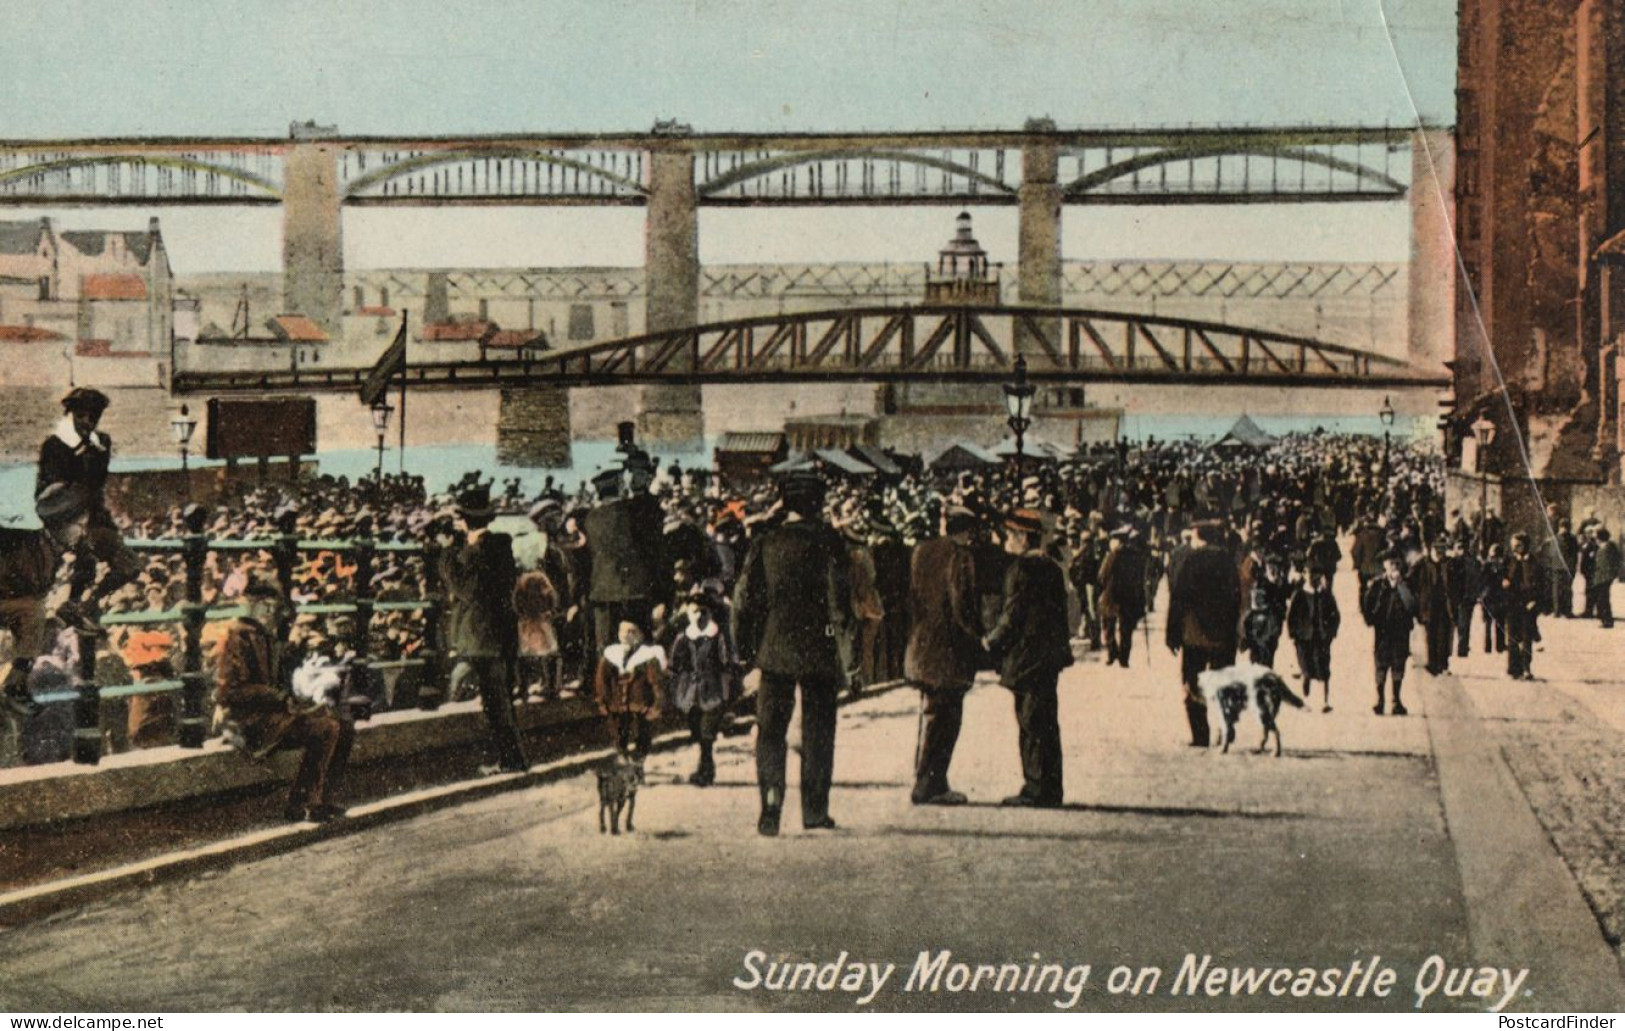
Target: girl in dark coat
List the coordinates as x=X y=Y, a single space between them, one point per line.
x=704 y=677
x=1312 y=619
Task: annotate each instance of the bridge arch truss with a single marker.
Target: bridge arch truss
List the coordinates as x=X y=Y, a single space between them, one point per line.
x=904 y=344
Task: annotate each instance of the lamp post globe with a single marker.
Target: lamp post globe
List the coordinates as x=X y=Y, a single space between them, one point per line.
x=1484 y=433
x=1018 y=403
x=1386 y=414
x=181 y=427
x=380 y=424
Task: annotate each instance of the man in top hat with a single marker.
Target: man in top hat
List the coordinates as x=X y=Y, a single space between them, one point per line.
x=630 y=574
x=793 y=620
x=1204 y=616
x=1030 y=646
x=76 y=456
x=248 y=687
x=482 y=631
x=944 y=649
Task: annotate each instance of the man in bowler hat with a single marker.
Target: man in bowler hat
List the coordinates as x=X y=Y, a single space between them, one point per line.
x=482 y=630
x=1031 y=645
x=792 y=620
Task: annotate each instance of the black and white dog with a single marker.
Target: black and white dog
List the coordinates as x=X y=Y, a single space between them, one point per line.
x=1236 y=689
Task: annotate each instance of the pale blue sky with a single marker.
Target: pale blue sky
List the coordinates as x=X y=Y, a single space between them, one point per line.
x=128 y=67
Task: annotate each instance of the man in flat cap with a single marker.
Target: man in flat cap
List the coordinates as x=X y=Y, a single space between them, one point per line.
x=1030 y=646
x=944 y=649
x=482 y=630
x=76 y=456
x=248 y=688
x=793 y=620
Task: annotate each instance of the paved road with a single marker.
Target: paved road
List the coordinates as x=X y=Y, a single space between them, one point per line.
x=1335 y=853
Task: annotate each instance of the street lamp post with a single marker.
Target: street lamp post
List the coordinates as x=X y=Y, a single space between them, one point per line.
x=1387 y=417
x=1484 y=433
x=182 y=426
x=1018 y=402
x=380 y=425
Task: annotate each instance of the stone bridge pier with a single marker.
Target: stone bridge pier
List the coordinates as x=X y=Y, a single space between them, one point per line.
x=671 y=415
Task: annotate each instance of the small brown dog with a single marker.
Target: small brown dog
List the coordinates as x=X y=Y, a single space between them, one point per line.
x=617 y=789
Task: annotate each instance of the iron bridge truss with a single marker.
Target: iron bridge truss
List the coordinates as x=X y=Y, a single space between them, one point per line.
x=1156 y=166
x=949 y=344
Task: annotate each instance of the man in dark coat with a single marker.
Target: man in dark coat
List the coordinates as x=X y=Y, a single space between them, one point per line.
x=1122 y=594
x=893 y=560
x=1370 y=544
x=1084 y=573
x=793 y=621
x=1433 y=606
x=1179 y=553
x=1605 y=569
x=1562 y=562
x=1462 y=589
x=1312 y=620
x=1521 y=597
x=630 y=574
x=1204 y=615
x=944 y=650
x=76 y=456
x=1031 y=645
x=1389 y=608
x=482 y=631
x=1323 y=556
x=248 y=687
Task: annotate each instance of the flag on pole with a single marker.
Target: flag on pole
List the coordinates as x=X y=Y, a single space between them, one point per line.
x=390 y=364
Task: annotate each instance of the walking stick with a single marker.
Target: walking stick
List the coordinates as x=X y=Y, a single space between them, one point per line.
x=919 y=735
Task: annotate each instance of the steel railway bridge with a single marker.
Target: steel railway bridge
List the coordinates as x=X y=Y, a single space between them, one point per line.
x=948 y=343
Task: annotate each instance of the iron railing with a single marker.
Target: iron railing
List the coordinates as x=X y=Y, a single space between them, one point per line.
x=193 y=614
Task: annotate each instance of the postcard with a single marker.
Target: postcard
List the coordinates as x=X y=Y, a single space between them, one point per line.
x=1003 y=506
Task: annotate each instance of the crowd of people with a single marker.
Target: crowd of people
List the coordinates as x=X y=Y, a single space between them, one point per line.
x=653 y=591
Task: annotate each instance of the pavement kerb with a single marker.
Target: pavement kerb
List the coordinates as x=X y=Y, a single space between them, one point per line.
x=1524 y=907
x=34 y=902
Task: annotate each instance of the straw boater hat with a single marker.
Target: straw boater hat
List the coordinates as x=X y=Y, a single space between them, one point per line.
x=1026 y=520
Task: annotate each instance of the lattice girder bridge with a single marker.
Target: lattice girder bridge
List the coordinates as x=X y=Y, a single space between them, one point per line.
x=950 y=344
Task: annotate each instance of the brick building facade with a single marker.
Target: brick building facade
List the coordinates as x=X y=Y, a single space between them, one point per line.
x=1540 y=200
